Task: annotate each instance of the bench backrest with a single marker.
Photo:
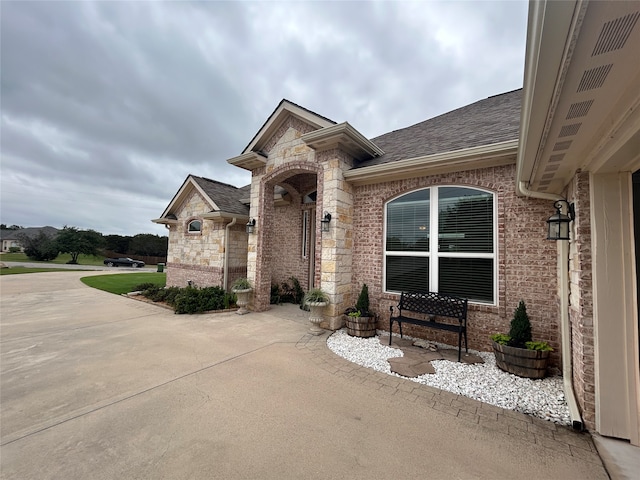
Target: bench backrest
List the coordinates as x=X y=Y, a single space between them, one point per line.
x=433 y=303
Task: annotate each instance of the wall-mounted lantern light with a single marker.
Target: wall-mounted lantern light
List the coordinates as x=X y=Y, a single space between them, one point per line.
x=325 y=221
x=251 y=225
x=559 y=223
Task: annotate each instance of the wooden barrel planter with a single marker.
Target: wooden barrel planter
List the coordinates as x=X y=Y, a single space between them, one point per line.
x=361 y=326
x=521 y=361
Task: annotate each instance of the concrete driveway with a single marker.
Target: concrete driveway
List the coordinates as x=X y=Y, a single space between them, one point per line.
x=98 y=386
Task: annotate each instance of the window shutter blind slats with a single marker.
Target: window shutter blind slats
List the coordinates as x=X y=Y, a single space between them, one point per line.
x=464 y=227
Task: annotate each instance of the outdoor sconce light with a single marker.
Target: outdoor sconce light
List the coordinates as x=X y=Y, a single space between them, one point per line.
x=559 y=223
x=251 y=224
x=325 y=221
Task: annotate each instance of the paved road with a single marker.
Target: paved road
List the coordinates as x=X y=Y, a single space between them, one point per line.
x=98 y=386
x=67 y=266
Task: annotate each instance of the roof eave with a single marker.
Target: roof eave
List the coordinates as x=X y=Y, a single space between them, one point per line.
x=249 y=161
x=497 y=154
x=165 y=221
x=551 y=25
x=343 y=136
x=224 y=216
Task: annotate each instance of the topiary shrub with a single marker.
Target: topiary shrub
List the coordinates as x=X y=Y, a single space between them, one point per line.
x=520 y=331
x=362 y=305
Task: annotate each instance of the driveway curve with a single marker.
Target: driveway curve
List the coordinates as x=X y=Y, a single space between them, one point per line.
x=100 y=386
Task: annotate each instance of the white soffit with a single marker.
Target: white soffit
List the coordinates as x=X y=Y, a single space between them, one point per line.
x=590 y=118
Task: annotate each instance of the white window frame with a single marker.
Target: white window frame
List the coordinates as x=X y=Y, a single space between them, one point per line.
x=433 y=242
x=194 y=232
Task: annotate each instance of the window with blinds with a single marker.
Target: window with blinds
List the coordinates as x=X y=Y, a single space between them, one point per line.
x=442 y=239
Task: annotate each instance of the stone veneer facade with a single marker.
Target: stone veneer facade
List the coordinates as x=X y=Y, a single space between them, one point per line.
x=198 y=257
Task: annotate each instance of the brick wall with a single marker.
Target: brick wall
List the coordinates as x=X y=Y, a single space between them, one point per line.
x=581 y=300
x=526 y=260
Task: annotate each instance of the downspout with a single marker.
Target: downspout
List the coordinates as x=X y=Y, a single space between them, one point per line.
x=565 y=329
x=225 y=267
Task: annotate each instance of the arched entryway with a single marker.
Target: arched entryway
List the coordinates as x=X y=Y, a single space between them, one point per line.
x=287 y=240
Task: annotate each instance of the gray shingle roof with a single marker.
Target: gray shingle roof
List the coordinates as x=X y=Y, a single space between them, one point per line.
x=492 y=120
x=29 y=232
x=226 y=197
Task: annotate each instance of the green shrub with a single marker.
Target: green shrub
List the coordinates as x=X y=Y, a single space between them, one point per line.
x=190 y=299
x=500 y=338
x=520 y=331
x=540 y=346
x=14 y=250
x=362 y=305
x=287 y=292
x=141 y=287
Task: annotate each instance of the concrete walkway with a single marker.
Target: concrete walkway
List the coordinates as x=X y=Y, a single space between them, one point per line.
x=99 y=386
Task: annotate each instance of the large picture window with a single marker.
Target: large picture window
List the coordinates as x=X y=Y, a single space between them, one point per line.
x=442 y=239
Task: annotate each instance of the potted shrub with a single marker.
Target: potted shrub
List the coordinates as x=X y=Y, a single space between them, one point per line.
x=359 y=319
x=516 y=352
x=242 y=289
x=316 y=299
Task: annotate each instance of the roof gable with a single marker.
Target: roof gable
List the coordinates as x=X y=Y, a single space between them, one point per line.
x=220 y=197
x=284 y=110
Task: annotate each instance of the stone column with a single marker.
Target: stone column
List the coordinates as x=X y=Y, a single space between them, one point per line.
x=337 y=243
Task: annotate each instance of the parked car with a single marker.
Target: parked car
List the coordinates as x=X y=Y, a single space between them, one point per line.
x=123 y=262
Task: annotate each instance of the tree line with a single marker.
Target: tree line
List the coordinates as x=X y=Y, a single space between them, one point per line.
x=73 y=241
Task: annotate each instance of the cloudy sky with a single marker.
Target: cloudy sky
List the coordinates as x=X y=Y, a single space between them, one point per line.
x=108 y=106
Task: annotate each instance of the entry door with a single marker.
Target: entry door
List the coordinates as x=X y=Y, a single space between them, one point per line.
x=311 y=228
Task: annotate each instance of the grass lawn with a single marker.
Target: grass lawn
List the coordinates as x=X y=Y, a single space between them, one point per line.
x=18 y=270
x=123 y=282
x=60 y=259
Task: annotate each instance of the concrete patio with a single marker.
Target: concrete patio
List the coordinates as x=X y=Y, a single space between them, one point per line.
x=101 y=386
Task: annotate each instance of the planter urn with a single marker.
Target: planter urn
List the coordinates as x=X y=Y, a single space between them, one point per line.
x=242 y=300
x=521 y=361
x=315 y=316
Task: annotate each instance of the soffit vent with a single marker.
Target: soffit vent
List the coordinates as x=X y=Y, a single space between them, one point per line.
x=556 y=158
x=594 y=78
x=615 y=33
x=561 y=145
x=569 y=130
x=552 y=168
x=579 y=109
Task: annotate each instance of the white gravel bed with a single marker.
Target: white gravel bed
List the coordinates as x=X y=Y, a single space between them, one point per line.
x=485 y=382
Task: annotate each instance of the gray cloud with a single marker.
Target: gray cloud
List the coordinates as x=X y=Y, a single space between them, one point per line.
x=107 y=106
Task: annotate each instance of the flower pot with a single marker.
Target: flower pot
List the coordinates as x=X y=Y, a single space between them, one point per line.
x=242 y=300
x=361 y=326
x=315 y=316
x=521 y=361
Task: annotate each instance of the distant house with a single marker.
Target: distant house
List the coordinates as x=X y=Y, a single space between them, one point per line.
x=11 y=238
x=459 y=204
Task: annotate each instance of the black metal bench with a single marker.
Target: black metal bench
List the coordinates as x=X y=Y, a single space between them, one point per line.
x=435 y=305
